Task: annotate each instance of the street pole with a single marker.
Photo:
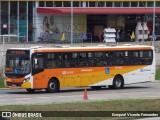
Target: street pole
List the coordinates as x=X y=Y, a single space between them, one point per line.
x=71 y=21
x=3 y=45
x=153 y=31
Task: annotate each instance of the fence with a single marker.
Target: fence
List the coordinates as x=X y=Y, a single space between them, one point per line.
x=8 y=38
x=56 y=38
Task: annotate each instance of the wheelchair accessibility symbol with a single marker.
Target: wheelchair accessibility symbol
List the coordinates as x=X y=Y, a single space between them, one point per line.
x=107 y=70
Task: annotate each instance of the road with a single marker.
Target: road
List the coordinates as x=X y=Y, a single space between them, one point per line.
x=19 y=96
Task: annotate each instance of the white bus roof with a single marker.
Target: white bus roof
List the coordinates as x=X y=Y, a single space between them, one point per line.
x=79 y=48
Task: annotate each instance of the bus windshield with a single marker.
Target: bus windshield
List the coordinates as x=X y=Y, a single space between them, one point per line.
x=17 y=64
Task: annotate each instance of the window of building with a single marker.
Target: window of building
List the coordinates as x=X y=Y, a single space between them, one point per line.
x=142 y=4
x=58 y=4
x=91 y=4
x=4 y=17
x=157 y=3
x=84 y=4
x=41 y=4
x=30 y=21
x=126 y=4
x=134 y=4
x=118 y=4
x=49 y=4
x=108 y=4
x=13 y=17
x=101 y=4
x=66 y=4
x=75 y=4
x=149 y=4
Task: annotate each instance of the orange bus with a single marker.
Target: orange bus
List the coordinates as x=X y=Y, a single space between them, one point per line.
x=60 y=67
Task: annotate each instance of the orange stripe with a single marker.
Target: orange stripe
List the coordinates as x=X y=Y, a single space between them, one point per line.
x=72 y=77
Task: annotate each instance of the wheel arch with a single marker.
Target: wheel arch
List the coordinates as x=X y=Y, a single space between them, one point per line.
x=119 y=76
x=55 y=79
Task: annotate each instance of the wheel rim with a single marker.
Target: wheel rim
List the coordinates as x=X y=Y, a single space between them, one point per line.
x=118 y=83
x=52 y=86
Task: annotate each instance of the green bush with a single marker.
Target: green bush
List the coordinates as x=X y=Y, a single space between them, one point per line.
x=157 y=74
x=1 y=82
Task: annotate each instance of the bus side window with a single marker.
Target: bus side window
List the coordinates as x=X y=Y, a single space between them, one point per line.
x=67 y=59
x=82 y=59
x=133 y=58
x=59 y=61
x=52 y=60
x=110 y=59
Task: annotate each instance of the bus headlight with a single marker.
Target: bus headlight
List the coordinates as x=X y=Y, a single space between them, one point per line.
x=26 y=80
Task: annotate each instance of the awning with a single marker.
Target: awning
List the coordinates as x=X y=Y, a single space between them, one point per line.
x=95 y=10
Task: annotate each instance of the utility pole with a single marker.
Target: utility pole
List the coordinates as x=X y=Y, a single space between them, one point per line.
x=153 y=31
x=71 y=21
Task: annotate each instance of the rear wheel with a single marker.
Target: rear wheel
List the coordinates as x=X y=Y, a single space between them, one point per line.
x=118 y=82
x=30 y=90
x=52 y=86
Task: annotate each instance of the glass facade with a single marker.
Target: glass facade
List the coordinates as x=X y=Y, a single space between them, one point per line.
x=17 y=19
x=22 y=19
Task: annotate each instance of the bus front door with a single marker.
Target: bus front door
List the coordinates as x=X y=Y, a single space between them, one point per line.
x=37 y=70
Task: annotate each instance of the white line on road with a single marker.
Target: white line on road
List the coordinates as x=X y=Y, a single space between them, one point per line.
x=71 y=96
x=3 y=99
x=44 y=97
x=22 y=98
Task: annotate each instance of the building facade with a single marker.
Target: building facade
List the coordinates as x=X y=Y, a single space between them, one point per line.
x=50 y=20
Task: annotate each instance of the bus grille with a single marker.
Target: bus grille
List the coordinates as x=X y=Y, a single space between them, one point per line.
x=14 y=84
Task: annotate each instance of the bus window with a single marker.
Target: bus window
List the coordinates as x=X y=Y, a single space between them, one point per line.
x=133 y=58
x=119 y=56
x=111 y=59
x=67 y=59
x=54 y=60
x=90 y=59
x=146 y=57
x=82 y=59
x=99 y=58
x=74 y=60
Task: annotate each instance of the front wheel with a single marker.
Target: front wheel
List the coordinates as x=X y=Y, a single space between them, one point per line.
x=52 y=86
x=118 y=82
x=30 y=90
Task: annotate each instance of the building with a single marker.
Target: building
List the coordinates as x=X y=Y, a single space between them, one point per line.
x=49 y=20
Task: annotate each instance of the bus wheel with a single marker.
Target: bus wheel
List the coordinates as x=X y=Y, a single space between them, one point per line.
x=118 y=82
x=30 y=90
x=52 y=86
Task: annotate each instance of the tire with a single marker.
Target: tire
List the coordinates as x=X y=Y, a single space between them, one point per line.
x=30 y=90
x=118 y=82
x=110 y=86
x=52 y=86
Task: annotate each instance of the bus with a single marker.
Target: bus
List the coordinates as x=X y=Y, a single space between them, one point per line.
x=52 y=69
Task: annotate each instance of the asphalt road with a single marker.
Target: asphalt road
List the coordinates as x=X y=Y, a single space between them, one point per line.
x=19 y=96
